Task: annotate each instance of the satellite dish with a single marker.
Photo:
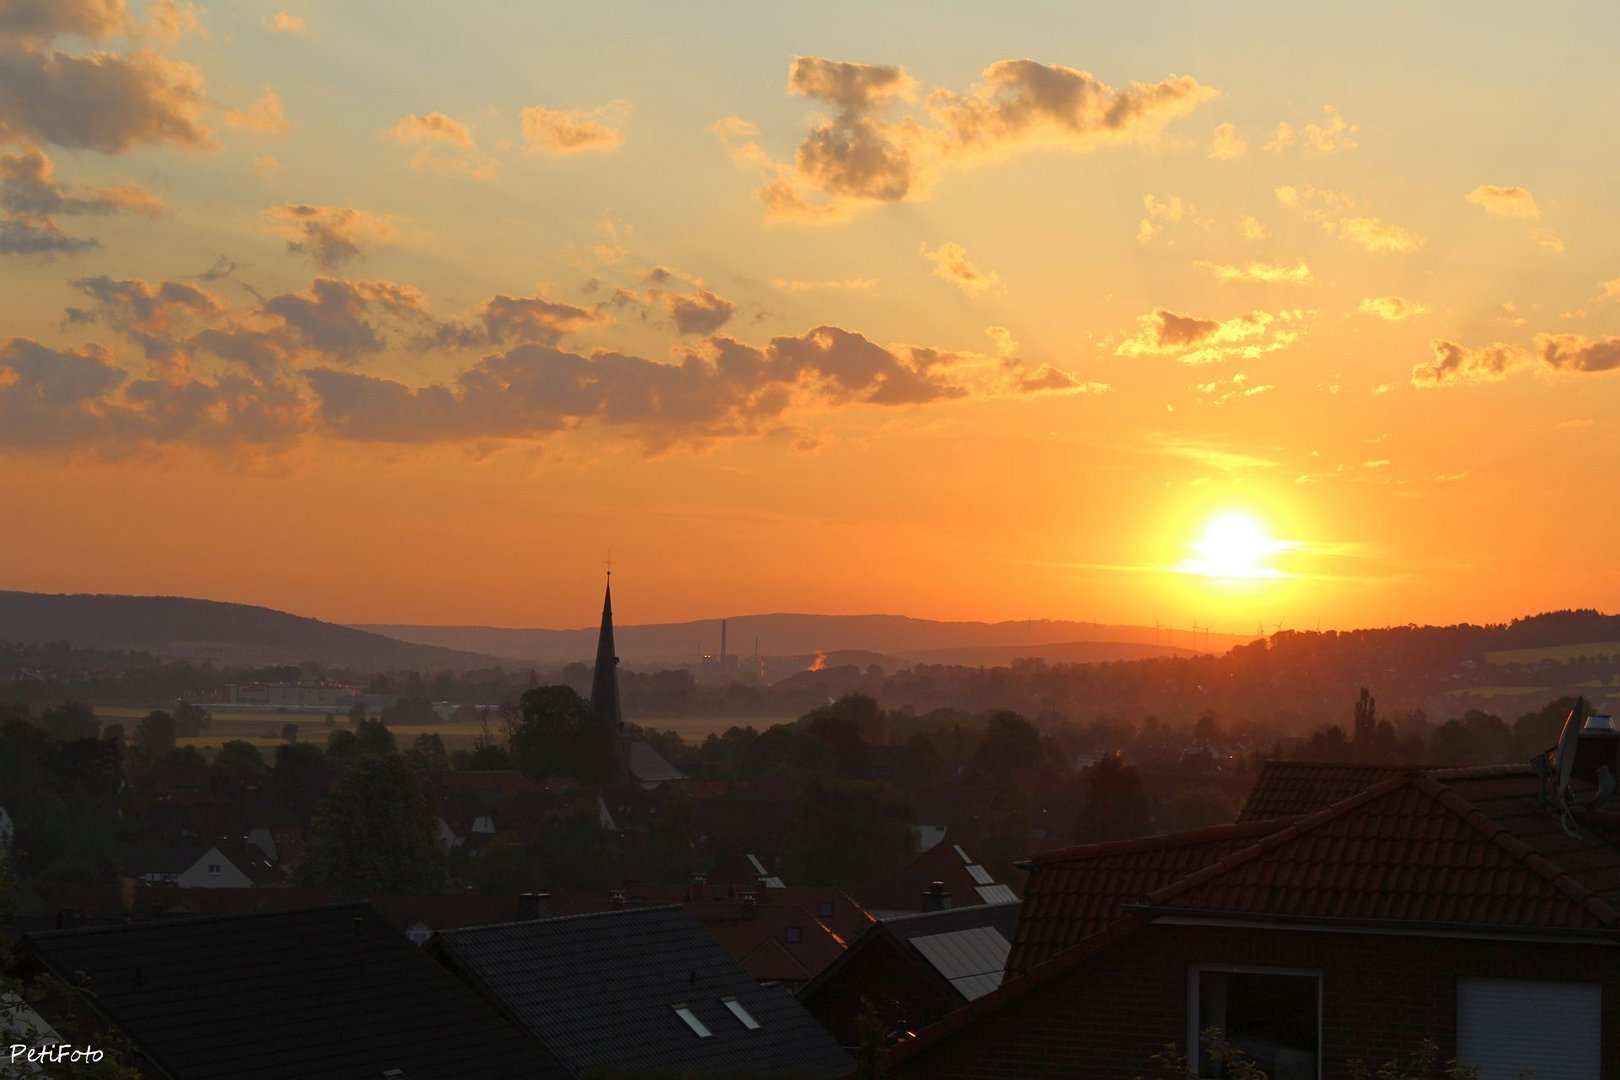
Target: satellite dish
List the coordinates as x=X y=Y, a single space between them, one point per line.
x=1567 y=738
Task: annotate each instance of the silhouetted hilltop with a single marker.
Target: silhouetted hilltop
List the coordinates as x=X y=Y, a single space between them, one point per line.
x=781 y=634
x=242 y=635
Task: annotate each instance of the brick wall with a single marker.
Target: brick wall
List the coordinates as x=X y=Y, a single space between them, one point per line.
x=1380 y=996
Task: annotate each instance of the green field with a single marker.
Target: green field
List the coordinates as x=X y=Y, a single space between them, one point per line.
x=1591 y=650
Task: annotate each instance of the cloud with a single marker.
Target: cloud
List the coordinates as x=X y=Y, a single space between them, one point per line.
x=262 y=116
x=1509 y=202
x=859 y=157
x=1298 y=274
x=1393 y=308
x=852 y=87
x=1575 y=353
x=1047 y=379
x=331 y=235
x=1220 y=391
x=266 y=166
x=734 y=127
x=1228 y=143
x=1375 y=236
x=78 y=400
x=25 y=236
x=28 y=186
x=286 y=23
x=1194 y=340
x=1452 y=364
x=435 y=126
x=102 y=101
x=951 y=263
x=724 y=389
x=851 y=283
x=701 y=312
x=1330 y=137
x=155 y=316
x=1547 y=240
x=1172 y=209
x=505 y=319
x=31 y=198
x=39 y=21
x=1252 y=229
x=574 y=131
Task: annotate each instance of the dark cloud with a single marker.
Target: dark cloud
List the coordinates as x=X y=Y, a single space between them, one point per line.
x=1574 y=353
x=701 y=312
x=28 y=187
x=503 y=319
x=333 y=319
x=40 y=21
x=102 y=101
x=1452 y=364
x=330 y=235
x=858 y=156
x=22 y=236
x=151 y=315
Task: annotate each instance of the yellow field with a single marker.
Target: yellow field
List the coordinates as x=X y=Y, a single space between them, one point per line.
x=1607 y=650
x=263 y=729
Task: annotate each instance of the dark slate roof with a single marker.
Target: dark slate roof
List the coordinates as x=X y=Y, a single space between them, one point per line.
x=966 y=882
x=599 y=991
x=1074 y=892
x=1294 y=788
x=295 y=993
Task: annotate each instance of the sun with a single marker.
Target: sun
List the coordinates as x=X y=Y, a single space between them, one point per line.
x=1236 y=547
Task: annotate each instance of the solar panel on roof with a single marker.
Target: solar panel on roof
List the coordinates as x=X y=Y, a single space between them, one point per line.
x=980 y=875
x=962 y=853
x=996 y=894
x=971 y=959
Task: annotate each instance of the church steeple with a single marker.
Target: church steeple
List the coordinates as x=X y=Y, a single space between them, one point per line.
x=605 y=679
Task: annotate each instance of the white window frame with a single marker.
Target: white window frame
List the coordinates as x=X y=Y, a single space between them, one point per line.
x=743 y=1016
x=1195 y=1050
x=699 y=1028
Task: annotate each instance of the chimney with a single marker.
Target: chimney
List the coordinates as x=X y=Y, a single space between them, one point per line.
x=749 y=907
x=616 y=898
x=936 y=898
x=533 y=905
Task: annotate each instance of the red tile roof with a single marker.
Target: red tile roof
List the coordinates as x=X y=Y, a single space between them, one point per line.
x=1075 y=892
x=903 y=889
x=1459 y=847
x=1295 y=788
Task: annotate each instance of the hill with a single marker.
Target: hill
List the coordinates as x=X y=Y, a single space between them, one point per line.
x=208 y=631
x=790 y=635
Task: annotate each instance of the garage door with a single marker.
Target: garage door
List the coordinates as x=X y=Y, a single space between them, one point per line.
x=1510 y=1025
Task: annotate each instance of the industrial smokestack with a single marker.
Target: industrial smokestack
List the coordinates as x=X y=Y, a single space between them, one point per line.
x=722 y=644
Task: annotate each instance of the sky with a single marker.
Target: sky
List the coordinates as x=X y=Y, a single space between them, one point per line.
x=1245 y=316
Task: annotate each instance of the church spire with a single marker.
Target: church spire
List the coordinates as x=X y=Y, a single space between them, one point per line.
x=605 y=680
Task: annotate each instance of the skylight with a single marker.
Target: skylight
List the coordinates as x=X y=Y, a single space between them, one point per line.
x=699 y=1028
x=741 y=1013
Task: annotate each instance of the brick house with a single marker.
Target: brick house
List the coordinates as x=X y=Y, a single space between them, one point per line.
x=1461 y=906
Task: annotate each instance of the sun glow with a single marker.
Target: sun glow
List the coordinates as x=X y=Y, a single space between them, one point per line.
x=1234 y=546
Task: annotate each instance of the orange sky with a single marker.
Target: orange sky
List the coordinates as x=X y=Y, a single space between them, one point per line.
x=383 y=314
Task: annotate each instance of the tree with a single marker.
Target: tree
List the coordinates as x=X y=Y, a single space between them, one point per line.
x=561 y=735
x=849 y=830
x=574 y=851
x=289 y=732
x=191 y=720
x=1010 y=744
x=1115 y=806
x=1366 y=718
x=155 y=736
x=373 y=737
x=357 y=712
x=70 y=720
x=376 y=832
x=429 y=754
x=237 y=767
x=299 y=777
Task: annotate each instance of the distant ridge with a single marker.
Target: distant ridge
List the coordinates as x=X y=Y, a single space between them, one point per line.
x=784 y=634
x=228 y=635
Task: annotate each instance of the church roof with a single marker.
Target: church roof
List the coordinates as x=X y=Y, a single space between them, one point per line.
x=605 y=679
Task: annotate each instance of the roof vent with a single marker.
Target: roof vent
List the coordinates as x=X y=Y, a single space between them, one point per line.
x=936 y=898
x=616 y=898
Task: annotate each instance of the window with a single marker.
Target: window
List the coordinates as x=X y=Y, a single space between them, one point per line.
x=1273 y=1015
x=825 y=908
x=740 y=1013
x=1517 y=1025
x=794 y=935
x=699 y=1028
x=214 y=869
